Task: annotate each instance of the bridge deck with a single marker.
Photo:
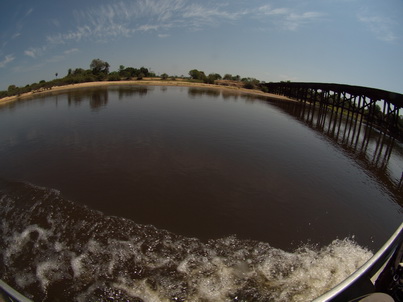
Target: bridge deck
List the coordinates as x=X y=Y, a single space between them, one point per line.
x=372 y=93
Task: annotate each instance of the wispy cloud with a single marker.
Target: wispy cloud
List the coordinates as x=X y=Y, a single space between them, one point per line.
x=7 y=59
x=70 y=51
x=294 y=20
x=382 y=27
x=209 y=13
x=127 y=18
x=30 y=53
x=287 y=18
x=35 y=52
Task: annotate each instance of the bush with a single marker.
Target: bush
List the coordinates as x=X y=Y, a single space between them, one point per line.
x=264 y=89
x=248 y=85
x=114 y=76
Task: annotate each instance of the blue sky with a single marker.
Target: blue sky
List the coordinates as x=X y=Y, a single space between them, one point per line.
x=358 y=42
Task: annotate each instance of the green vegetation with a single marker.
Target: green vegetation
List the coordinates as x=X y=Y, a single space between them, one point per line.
x=99 y=71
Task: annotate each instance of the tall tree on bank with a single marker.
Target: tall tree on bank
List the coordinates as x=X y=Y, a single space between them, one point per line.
x=99 y=67
x=197 y=75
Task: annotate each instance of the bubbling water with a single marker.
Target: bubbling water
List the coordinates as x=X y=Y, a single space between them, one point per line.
x=53 y=249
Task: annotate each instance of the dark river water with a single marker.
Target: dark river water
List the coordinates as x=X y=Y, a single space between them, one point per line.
x=184 y=194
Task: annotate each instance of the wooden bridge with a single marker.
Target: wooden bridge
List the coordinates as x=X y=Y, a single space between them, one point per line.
x=377 y=108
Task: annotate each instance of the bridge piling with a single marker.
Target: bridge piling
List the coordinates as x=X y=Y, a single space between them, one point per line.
x=340 y=98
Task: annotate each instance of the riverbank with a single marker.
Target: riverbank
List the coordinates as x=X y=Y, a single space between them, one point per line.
x=145 y=82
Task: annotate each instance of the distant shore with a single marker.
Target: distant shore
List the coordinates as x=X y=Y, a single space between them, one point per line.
x=145 y=82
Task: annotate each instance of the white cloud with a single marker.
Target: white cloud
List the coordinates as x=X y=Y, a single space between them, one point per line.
x=147 y=27
x=293 y=21
x=35 y=52
x=287 y=18
x=7 y=59
x=126 y=18
x=70 y=51
x=106 y=22
x=381 y=27
x=205 y=12
x=268 y=11
x=80 y=33
x=30 y=53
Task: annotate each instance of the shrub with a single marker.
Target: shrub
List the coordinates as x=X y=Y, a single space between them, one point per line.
x=114 y=76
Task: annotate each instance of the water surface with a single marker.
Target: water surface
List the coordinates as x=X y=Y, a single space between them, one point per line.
x=171 y=164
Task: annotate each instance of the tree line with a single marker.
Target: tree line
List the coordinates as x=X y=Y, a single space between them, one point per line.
x=99 y=71
x=213 y=78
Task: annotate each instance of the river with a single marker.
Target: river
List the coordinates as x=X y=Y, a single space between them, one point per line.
x=174 y=194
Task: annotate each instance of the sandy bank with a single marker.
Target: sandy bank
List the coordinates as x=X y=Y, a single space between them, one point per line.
x=145 y=82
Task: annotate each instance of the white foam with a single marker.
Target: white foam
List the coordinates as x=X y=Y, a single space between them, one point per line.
x=306 y=274
x=77 y=266
x=155 y=265
x=18 y=240
x=25 y=279
x=140 y=289
x=216 y=286
x=46 y=273
x=58 y=246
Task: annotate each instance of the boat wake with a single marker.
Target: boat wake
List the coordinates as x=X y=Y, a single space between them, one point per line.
x=54 y=249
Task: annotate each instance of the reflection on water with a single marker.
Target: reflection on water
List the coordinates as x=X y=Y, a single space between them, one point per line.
x=197 y=92
x=98 y=97
x=375 y=151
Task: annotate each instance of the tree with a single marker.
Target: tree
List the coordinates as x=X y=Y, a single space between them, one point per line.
x=164 y=76
x=144 y=71
x=212 y=77
x=228 y=76
x=78 y=71
x=250 y=83
x=11 y=88
x=128 y=73
x=98 y=66
x=197 y=75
